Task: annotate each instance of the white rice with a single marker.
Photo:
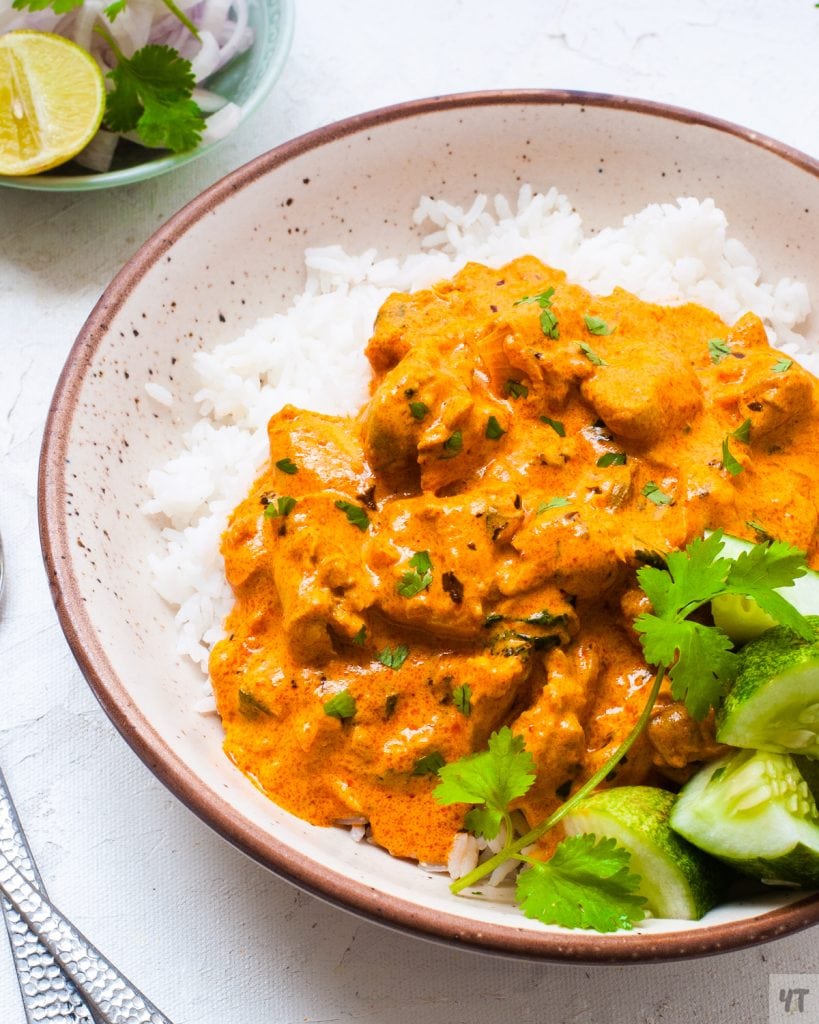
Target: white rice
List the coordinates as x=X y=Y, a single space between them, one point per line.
x=670 y=254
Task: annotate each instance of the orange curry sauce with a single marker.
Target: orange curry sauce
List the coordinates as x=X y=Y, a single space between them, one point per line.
x=512 y=483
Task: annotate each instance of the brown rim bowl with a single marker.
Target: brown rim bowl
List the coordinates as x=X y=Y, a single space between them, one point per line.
x=234 y=254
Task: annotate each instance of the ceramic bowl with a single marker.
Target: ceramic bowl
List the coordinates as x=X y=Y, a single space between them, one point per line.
x=245 y=81
x=356 y=182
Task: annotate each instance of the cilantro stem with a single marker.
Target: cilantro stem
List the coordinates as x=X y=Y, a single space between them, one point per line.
x=180 y=14
x=512 y=849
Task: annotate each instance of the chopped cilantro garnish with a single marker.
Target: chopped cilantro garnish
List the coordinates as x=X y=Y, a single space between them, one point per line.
x=361 y=637
x=763 y=535
x=418 y=410
x=281 y=506
x=729 y=463
x=515 y=389
x=544 y=506
x=462 y=699
x=743 y=432
x=287 y=466
x=356 y=515
x=341 y=705
x=419 y=578
x=591 y=355
x=548 y=320
x=612 y=459
x=430 y=764
x=782 y=365
x=718 y=350
x=653 y=493
x=454 y=443
x=494 y=431
x=390 y=704
x=556 y=425
x=594 y=325
x=250 y=706
x=394 y=658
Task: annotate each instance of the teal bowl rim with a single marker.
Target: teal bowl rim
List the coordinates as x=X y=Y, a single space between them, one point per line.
x=152 y=168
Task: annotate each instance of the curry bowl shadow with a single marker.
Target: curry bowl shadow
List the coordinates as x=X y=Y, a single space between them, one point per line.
x=235 y=254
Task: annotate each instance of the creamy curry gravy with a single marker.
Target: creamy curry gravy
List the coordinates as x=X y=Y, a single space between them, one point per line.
x=481 y=446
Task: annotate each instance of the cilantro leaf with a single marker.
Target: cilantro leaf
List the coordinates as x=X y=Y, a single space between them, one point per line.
x=287 y=466
x=718 y=350
x=655 y=495
x=58 y=6
x=394 y=658
x=429 y=764
x=492 y=778
x=453 y=444
x=594 y=325
x=612 y=459
x=743 y=432
x=281 y=506
x=548 y=320
x=701 y=658
x=152 y=95
x=585 y=884
x=356 y=515
x=462 y=699
x=515 y=389
x=494 y=431
x=729 y=462
x=760 y=572
x=341 y=705
x=780 y=366
x=691 y=577
x=558 y=427
x=112 y=10
x=418 y=410
x=418 y=578
x=591 y=355
x=544 y=506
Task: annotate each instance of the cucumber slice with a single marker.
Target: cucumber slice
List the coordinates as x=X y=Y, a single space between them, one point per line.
x=677 y=880
x=774 y=701
x=754 y=811
x=742 y=618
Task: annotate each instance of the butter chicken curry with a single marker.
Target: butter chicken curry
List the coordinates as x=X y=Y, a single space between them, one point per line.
x=462 y=554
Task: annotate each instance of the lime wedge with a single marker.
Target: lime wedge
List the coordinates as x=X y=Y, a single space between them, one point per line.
x=52 y=98
x=677 y=880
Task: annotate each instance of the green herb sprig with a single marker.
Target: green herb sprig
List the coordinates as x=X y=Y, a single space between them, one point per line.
x=152 y=96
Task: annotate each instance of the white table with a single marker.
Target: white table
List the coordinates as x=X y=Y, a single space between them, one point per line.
x=210 y=936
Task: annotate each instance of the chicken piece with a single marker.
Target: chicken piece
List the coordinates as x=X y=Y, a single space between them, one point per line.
x=450 y=532
x=574 y=549
x=678 y=741
x=552 y=728
x=316 y=564
x=446 y=703
x=644 y=392
x=325 y=450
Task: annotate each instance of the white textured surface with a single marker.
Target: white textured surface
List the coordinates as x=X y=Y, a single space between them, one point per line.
x=209 y=936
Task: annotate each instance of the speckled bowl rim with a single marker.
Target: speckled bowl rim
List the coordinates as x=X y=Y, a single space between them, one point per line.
x=127 y=717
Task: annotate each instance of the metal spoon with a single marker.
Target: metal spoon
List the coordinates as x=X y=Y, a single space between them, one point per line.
x=63 y=977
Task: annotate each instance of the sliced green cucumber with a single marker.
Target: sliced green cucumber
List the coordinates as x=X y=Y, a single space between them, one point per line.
x=774 y=702
x=754 y=811
x=677 y=880
x=742 y=618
